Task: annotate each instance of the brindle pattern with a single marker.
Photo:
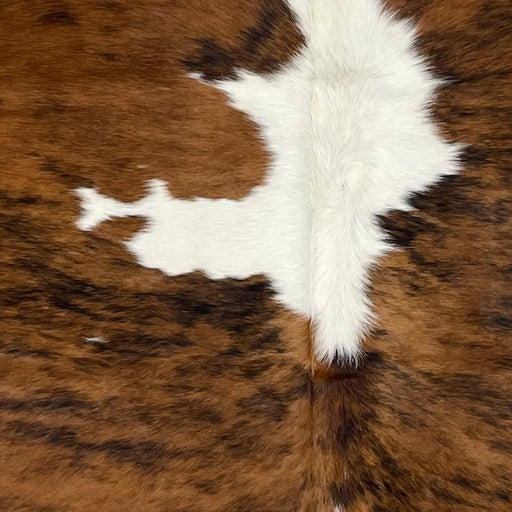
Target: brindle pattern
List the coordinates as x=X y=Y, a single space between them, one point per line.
x=123 y=389
x=199 y=395
x=425 y=423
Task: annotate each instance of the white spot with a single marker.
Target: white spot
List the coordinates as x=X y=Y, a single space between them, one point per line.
x=347 y=125
x=96 y=339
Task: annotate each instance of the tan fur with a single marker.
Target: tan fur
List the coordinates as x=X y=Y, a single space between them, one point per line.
x=204 y=396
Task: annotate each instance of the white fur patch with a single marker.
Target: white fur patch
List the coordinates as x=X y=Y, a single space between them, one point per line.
x=347 y=125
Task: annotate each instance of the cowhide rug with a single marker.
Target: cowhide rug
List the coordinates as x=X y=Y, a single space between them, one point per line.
x=256 y=256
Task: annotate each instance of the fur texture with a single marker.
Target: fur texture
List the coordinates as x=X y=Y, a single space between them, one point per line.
x=347 y=124
x=372 y=146
x=125 y=389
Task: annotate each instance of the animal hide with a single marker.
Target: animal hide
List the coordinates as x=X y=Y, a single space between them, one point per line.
x=256 y=256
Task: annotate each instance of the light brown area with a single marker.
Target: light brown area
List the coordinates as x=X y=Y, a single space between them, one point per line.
x=198 y=395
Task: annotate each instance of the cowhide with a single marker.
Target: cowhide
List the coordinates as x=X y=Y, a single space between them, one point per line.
x=125 y=388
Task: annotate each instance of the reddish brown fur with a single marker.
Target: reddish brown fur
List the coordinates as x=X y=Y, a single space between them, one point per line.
x=204 y=397
x=425 y=424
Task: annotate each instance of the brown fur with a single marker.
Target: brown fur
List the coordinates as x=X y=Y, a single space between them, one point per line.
x=205 y=397
x=425 y=424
